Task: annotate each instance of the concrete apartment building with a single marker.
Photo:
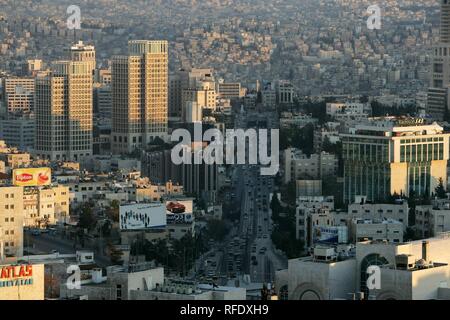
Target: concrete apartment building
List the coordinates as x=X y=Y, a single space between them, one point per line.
x=362 y=220
x=19 y=132
x=18 y=96
x=14 y=159
x=393 y=155
x=299 y=166
x=46 y=206
x=64 y=112
x=353 y=108
x=377 y=230
x=307 y=206
x=143 y=282
x=184 y=79
x=12 y=220
x=431 y=220
x=230 y=90
x=140 y=95
x=17 y=124
x=379 y=211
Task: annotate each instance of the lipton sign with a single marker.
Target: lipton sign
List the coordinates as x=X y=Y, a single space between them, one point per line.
x=30 y=177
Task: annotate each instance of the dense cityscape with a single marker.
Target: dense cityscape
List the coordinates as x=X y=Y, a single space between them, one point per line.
x=224 y=150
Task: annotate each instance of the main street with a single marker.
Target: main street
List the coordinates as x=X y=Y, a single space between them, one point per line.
x=248 y=249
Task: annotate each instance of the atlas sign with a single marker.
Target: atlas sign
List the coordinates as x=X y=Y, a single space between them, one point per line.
x=11 y=276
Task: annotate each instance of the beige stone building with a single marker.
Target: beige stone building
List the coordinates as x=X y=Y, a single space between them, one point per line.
x=46 y=205
x=15 y=159
x=139 y=95
x=11 y=220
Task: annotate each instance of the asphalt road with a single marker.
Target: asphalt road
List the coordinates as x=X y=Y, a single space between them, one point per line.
x=250 y=239
x=46 y=243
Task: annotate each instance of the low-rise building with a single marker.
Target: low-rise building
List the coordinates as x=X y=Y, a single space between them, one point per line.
x=365 y=229
x=46 y=205
x=144 y=282
x=432 y=219
x=298 y=166
x=12 y=220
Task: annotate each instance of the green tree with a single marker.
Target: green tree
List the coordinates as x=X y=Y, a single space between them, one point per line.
x=87 y=219
x=440 y=190
x=217 y=229
x=113 y=211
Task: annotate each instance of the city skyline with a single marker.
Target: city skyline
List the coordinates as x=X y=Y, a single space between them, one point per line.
x=225 y=150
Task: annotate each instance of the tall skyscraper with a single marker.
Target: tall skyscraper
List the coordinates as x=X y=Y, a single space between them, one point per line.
x=17 y=124
x=438 y=93
x=64 y=112
x=390 y=155
x=139 y=95
x=83 y=52
x=193 y=85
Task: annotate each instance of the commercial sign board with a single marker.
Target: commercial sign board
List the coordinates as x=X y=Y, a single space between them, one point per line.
x=142 y=216
x=330 y=235
x=31 y=177
x=13 y=276
x=179 y=211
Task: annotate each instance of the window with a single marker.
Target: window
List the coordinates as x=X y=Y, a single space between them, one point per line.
x=119 y=292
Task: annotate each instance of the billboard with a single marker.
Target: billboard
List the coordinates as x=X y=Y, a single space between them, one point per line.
x=179 y=211
x=32 y=177
x=330 y=235
x=142 y=216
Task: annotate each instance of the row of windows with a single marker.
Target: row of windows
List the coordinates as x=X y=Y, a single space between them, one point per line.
x=403 y=141
x=422 y=152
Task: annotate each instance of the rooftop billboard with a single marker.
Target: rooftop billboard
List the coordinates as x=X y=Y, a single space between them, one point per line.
x=142 y=216
x=32 y=177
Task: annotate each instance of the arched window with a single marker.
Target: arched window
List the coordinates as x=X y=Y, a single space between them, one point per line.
x=284 y=293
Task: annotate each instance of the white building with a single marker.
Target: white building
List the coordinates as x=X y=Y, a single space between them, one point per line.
x=432 y=219
x=365 y=229
x=144 y=282
x=417 y=270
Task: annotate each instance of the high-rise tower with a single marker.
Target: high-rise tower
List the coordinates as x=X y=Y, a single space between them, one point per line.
x=64 y=112
x=139 y=95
